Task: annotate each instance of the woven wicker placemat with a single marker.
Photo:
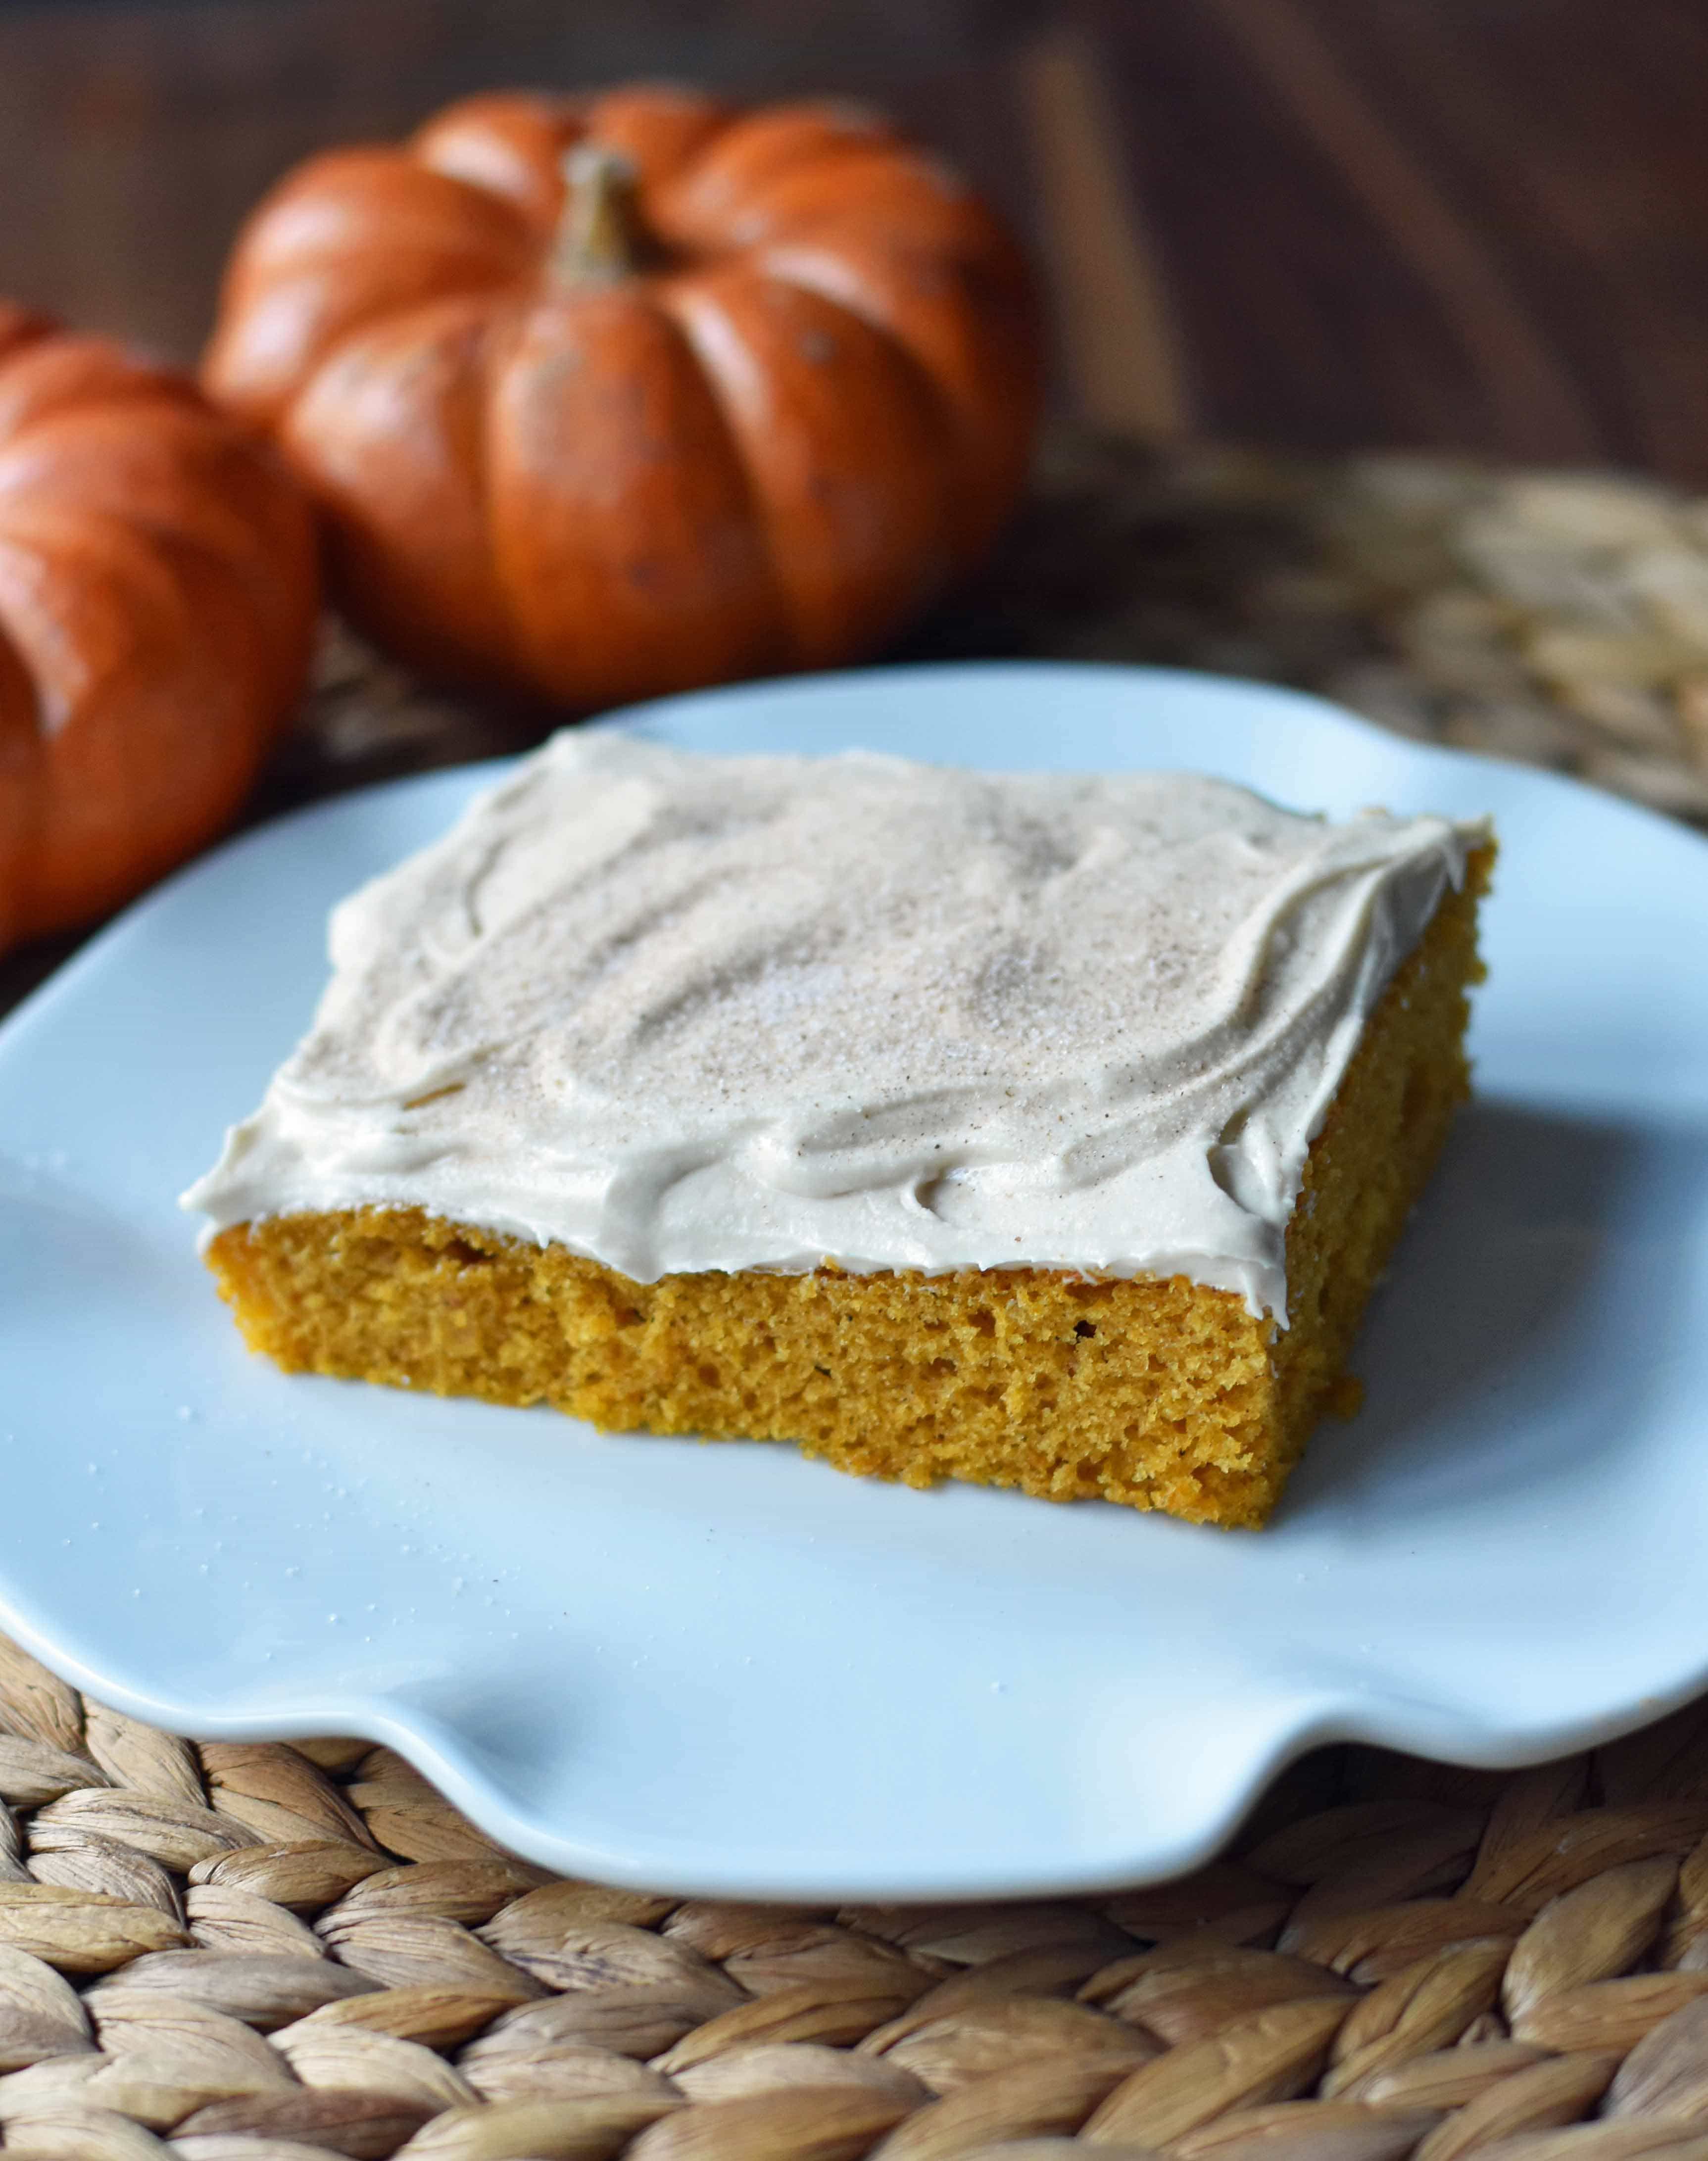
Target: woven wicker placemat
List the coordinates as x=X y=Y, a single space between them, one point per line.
x=251 y=1952
x=242 y=1952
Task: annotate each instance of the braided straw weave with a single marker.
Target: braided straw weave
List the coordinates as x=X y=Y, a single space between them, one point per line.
x=242 y=1951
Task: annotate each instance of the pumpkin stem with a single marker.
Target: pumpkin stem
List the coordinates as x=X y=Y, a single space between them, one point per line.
x=598 y=239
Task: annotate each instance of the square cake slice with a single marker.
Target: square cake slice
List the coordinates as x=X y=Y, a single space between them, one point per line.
x=1044 y=1130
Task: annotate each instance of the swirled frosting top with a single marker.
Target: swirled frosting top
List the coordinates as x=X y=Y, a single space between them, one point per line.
x=681 y=1012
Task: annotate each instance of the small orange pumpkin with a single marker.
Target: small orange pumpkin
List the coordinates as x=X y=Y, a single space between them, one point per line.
x=157 y=600
x=607 y=399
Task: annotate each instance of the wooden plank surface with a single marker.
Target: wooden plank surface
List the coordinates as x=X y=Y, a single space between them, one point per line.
x=1319 y=223
x=1450 y=221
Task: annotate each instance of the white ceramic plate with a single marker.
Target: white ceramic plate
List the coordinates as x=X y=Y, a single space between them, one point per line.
x=728 y=1670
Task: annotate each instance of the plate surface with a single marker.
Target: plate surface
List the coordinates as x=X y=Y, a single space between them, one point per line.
x=728 y=1670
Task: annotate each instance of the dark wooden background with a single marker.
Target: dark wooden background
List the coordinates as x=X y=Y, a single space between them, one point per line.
x=1476 y=223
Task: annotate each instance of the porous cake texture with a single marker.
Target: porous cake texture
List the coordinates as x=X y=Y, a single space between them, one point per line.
x=1045 y=1131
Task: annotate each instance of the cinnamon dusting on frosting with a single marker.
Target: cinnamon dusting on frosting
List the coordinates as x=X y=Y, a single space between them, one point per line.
x=680 y=1013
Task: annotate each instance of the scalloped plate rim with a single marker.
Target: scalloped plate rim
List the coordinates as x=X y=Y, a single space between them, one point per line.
x=1319 y=1716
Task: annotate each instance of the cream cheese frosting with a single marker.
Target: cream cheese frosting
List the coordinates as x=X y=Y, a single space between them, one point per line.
x=679 y=1012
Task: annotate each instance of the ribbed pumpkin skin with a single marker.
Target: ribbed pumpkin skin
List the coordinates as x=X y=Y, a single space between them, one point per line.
x=764 y=452
x=158 y=590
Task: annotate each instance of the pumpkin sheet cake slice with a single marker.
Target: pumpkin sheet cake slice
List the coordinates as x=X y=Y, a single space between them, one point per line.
x=1047 y=1130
